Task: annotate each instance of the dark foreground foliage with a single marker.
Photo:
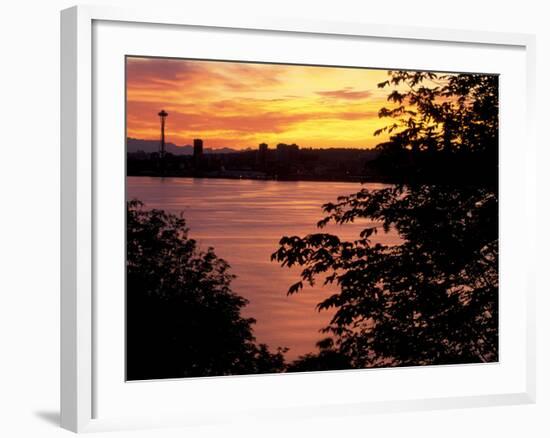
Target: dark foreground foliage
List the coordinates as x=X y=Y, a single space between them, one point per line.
x=432 y=298
x=183 y=319
x=327 y=359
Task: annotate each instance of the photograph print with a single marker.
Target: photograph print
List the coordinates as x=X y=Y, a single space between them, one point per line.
x=286 y=218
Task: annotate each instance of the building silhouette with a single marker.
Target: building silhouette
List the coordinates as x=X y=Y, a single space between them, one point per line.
x=287 y=153
x=261 y=156
x=198 y=152
x=197 y=147
x=162 y=148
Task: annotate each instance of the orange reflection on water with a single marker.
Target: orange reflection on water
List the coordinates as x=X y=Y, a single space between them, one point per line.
x=243 y=221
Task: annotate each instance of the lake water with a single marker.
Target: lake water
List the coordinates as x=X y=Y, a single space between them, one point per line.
x=243 y=220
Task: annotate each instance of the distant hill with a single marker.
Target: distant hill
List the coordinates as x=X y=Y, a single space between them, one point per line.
x=148 y=146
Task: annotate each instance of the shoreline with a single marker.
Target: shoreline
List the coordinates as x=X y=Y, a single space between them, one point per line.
x=284 y=179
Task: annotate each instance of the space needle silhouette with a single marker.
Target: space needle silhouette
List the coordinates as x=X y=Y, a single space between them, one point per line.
x=162 y=149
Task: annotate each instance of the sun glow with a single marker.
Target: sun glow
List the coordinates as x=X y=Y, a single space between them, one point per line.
x=239 y=105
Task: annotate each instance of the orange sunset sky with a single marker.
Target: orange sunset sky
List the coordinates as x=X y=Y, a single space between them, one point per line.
x=240 y=105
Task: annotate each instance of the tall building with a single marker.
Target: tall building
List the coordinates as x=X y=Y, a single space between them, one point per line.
x=261 y=156
x=162 y=147
x=197 y=147
x=197 y=152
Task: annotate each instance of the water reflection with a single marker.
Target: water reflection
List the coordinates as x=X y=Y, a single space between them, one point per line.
x=244 y=220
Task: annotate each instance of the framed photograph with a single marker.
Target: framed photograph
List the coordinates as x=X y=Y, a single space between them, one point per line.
x=288 y=218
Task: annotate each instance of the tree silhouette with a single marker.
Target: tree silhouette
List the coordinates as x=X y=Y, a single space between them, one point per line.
x=327 y=359
x=182 y=318
x=433 y=297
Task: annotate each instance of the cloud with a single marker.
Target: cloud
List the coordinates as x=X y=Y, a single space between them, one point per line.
x=246 y=116
x=240 y=76
x=246 y=103
x=166 y=73
x=158 y=72
x=346 y=93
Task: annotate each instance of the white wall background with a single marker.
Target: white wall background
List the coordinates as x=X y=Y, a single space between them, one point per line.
x=29 y=218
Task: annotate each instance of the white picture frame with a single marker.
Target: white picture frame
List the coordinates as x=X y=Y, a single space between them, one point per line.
x=80 y=167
